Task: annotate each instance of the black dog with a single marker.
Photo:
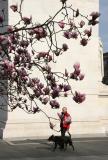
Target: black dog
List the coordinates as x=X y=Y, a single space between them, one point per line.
x=62 y=142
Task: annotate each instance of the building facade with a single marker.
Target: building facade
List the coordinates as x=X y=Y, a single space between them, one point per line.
x=90 y=117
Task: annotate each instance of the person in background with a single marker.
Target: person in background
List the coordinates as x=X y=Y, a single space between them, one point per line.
x=65 y=121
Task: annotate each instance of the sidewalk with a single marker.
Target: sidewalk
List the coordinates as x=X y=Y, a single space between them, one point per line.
x=33 y=149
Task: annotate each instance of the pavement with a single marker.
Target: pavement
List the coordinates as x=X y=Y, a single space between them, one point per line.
x=40 y=149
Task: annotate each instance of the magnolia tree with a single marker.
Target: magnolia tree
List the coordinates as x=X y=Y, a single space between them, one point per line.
x=20 y=58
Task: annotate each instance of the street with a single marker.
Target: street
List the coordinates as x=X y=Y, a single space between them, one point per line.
x=31 y=149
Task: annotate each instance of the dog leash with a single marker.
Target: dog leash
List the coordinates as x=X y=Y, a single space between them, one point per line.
x=52 y=127
x=60 y=130
x=57 y=130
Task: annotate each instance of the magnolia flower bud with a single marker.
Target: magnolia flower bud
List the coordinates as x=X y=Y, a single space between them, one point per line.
x=51 y=125
x=65 y=47
x=65 y=94
x=82 y=23
x=84 y=42
x=77 y=13
x=81 y=76
x=63 y=1
x=66 y=73
x=14 y=8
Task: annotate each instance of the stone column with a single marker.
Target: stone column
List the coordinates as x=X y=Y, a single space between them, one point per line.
x=3 y=98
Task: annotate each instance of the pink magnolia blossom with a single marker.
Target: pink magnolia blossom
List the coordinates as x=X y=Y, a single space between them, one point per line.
x=76 y=65
x=73 y=76
x=78 y=97
x=77 y=71
x=40 y=33
x=13 y=39
x=20 y=51
x=22 y=72
x=74 y=35
x=36 y=92
x=66 y=87
x=8 y=67
x=24 y=79
x=45 y=100
x=31 y=32
x=36 y=109
x=16 y=58
x=95 y=15
x=81 y=76
x=39 y=30
x=30 y=83
x=67 y=34
x=61 y=24
x=9 y=29
x=46 y=90
x=4 y=40
x=12 y=48
x=47 y=69
x=35 y=80
x=43 y=55
x=54 y=104
x=55 y=93
x=60 y=87
x=88 y=32
x=24 y=43
x=14 y=75
x=40 y=85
